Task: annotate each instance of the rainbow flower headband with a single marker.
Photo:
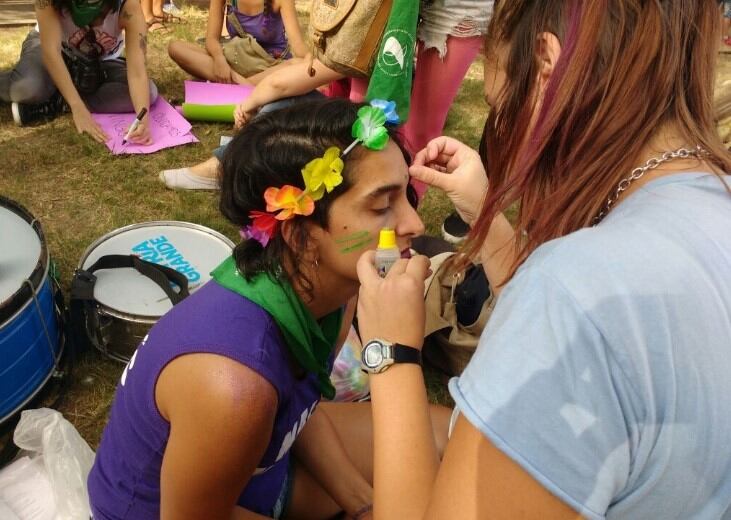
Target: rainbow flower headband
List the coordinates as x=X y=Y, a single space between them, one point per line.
x=321 y=175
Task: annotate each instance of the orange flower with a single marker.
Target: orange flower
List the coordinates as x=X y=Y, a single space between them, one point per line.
x=288 y=201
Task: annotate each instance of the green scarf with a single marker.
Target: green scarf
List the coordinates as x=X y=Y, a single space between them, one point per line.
x=311 y=343
x=83 y=12
x=391 y=76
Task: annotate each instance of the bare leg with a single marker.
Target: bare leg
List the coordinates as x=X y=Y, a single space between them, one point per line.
x=208 y=168
x=157 y=11
x=146 y=9
x=152 y=11
x=309 y=501
x=192 y=58
x=353 y=426
x=196 y=61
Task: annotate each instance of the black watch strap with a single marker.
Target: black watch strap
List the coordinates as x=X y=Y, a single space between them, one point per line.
x=404 y=354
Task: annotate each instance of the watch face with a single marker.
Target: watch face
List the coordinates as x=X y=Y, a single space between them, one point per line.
x=373 y=355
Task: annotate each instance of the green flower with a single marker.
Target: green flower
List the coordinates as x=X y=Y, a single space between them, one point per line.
x=369 y=129
x=323 y=173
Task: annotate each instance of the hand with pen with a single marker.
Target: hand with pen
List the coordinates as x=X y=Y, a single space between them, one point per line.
x=139 y=130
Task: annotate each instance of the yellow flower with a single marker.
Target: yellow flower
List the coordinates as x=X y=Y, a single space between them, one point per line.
x=289 y=201
x=323 y=173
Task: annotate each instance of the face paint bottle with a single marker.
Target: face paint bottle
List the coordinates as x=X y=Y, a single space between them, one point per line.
x=387 y=252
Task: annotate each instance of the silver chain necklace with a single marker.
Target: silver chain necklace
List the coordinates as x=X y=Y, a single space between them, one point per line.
x=637 y=173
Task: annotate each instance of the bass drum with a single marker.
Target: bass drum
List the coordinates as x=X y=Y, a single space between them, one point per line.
x=31 y=341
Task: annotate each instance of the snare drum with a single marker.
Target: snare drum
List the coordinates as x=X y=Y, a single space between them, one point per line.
x=30 y=336
x=126 y=303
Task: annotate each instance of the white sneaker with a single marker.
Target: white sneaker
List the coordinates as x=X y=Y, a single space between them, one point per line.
x=172 y=9
x=184 y=179
x=454 y=229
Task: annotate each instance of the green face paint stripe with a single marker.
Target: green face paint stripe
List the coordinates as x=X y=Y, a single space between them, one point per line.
x=355 y=247
x=359 y=235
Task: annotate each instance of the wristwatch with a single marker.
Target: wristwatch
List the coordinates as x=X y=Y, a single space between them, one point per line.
x=379 y=354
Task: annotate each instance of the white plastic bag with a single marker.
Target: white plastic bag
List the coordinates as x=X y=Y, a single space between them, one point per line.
x=25 y=491
x=67 y=459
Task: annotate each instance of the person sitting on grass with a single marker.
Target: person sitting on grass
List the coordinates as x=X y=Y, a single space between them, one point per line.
x=272 y=23
x=206 y=175
x=40 y=85
x=281 y=86
x=209 y=406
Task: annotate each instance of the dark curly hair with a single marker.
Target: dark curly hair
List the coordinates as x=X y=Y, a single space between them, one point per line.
x=271 y=150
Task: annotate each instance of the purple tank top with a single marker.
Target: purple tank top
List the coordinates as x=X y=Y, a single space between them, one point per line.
x=124 y=482
x=267 y=30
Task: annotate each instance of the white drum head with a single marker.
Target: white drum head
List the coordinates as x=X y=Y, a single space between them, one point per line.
x=188 y=248
x=20 y=250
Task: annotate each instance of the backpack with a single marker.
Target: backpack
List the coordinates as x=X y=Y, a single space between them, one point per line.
x=346 y=34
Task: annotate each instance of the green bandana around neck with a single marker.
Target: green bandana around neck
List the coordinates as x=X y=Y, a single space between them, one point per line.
x=83 y=12
x=311 y=343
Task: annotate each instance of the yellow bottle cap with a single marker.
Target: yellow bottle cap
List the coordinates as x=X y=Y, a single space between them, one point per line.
x=387 y=239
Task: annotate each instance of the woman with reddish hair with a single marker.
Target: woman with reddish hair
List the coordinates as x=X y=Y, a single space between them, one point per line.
x=599 y=388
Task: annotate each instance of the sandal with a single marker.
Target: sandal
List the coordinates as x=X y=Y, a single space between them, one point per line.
x=156 y=24
x=172 y=12
x=167 y=17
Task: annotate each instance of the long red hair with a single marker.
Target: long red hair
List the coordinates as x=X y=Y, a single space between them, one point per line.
x=627 y=68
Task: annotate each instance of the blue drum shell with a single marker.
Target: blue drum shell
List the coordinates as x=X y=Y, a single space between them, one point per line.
x=26 y=359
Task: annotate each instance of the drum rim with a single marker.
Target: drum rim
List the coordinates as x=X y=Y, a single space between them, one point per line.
x=128 y=316
x=130 y=227
x=16 y=302
x=116 y=313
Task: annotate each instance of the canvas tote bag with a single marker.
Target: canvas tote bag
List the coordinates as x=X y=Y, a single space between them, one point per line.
x=244 y=54
x=454 y=341
x=345 y=34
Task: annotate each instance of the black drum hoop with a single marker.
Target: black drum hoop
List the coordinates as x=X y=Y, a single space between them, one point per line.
x=16 y=301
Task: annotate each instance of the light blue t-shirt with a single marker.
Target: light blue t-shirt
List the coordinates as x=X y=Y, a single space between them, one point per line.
x=605 y=369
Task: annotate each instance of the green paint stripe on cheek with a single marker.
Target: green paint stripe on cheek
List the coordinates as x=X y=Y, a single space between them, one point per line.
x=355 y=247
x=357 y=236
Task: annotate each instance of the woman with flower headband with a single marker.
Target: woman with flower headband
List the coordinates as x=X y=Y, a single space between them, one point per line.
x=600 y=385
x=209 y=407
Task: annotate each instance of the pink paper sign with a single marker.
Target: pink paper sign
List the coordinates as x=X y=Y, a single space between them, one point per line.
x=167 y=128
x=206 y=93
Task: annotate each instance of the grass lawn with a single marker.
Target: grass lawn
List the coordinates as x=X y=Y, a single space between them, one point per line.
x=79 y=191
